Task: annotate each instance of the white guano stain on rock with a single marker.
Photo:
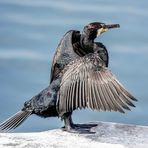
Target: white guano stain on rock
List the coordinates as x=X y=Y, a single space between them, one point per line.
x=108 y=135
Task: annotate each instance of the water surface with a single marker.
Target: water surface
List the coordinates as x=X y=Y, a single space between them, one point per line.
x=30 y=31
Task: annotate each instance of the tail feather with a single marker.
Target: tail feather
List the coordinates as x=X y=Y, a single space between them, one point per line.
x=11 y=121
x=14 y=121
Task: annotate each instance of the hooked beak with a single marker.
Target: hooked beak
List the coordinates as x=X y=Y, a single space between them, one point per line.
x=112 y=26
x=106 y=28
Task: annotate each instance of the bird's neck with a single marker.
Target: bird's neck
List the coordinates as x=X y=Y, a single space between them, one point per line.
x=86 y=43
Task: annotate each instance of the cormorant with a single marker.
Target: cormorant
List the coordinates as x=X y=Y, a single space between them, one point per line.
x=80 y=78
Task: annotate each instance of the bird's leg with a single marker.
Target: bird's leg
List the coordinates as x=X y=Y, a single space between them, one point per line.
x=76 y=128
x=68 y=122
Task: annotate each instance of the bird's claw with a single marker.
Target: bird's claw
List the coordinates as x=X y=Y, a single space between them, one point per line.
x=80 y=128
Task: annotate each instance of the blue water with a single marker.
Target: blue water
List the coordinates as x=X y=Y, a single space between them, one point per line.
x=30 y=31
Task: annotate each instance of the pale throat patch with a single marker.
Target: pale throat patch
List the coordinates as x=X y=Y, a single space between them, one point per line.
x=101 y=30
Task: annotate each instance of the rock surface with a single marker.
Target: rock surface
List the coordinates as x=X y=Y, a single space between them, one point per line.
x=108 y=135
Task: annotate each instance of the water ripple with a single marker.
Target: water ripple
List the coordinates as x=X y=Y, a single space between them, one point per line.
x=23 y=54
x=78 y=7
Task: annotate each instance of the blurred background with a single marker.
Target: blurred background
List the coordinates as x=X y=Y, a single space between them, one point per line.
x=30 y=31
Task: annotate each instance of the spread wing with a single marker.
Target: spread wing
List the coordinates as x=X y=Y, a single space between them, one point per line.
x=64 y=53
x=88 y=83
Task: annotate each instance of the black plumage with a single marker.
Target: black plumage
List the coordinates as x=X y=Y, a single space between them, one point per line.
x=80 y=78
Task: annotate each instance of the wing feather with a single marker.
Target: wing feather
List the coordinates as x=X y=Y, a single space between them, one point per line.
x=86 y=82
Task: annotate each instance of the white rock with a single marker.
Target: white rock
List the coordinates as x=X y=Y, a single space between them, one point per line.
x=108 y=135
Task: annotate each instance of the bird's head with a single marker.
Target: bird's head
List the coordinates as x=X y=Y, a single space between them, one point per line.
x=92 y=30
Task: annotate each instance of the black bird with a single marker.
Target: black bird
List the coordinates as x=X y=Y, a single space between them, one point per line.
x=80 y=78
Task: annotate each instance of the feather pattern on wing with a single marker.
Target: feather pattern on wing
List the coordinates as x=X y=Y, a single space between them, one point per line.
x=87 y=82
